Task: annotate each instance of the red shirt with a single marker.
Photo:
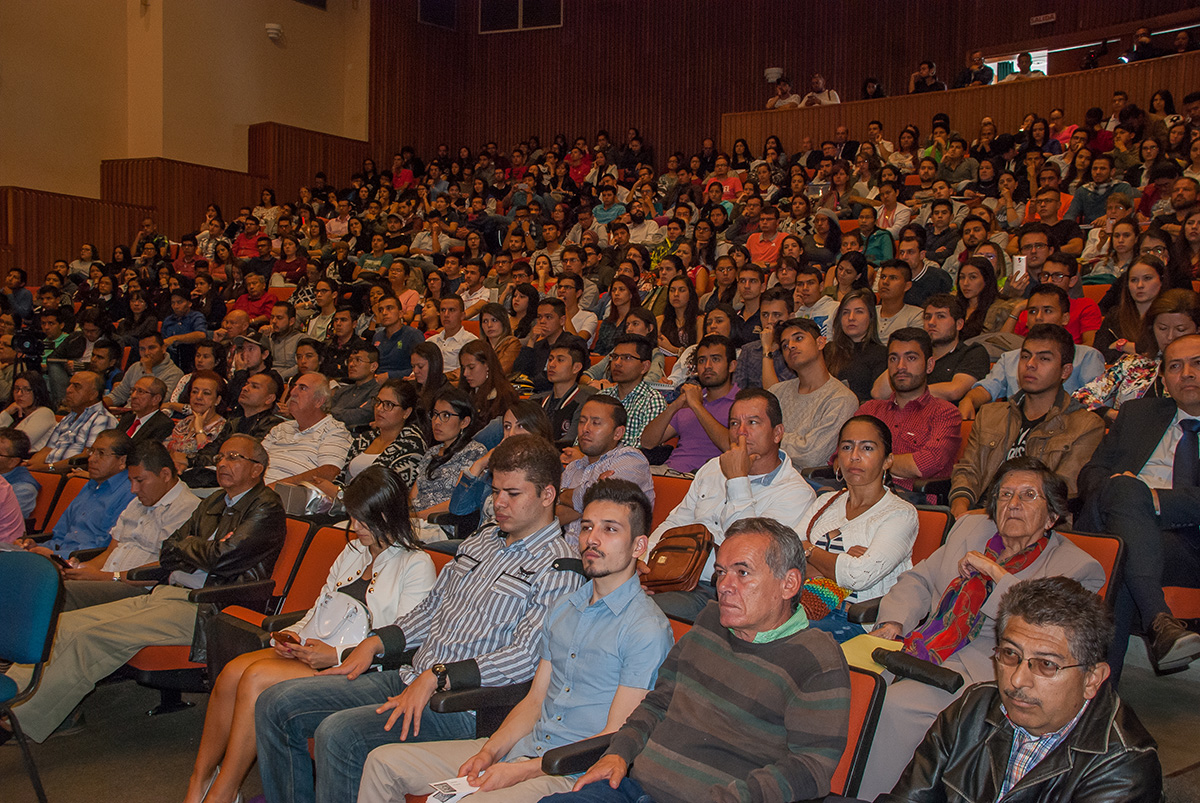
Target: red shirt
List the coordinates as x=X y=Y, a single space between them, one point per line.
x=246 y=246
x=763 y=251
x=256 y=309
x=928 y=428
x=1085 y=317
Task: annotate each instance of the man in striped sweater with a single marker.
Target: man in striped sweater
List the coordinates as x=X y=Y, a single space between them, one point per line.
x=750 y=705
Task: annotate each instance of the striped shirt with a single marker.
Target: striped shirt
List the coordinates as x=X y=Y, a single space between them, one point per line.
x=78 y=431
x=292 y=452
x=1028 y=750
x=484 y=615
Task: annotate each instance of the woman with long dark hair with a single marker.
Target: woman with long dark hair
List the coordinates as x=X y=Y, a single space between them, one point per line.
x=31 y=409
x=428 y=372
x=383 y=568
x=623 y=296
x=851 y=273
x=495 y=327
x=453 y=425
x=397 y=438
x=679 y=325
x=854 y=354
x=724 y=283
x=522 y=310
x=979 y=293
x=1123 y=325
x=484 y=381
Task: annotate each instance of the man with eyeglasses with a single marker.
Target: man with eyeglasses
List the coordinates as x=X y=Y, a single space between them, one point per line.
x=354 y=403
x=1065 y=232
x=145 y=421
x=232 y=536
x=1062 y=271
x=1048 y=728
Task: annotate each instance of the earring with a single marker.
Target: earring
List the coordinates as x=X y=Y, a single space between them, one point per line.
x=837 y=473
x=887 y=477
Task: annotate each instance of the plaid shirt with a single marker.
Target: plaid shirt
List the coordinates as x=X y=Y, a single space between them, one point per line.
x=1027 y=749
x=641 y=404
x=928 y=428
x=78 y=431
x=484 y=615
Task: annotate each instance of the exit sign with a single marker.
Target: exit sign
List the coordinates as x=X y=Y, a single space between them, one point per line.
x=1042 y=19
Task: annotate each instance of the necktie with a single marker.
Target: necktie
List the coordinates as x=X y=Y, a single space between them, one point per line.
x=1186 y=469
x=137 y=422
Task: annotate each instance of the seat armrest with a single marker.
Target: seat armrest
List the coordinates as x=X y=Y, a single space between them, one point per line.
x=938 y=486
x=577 y=757
x=446 y=702
x=816 y=472
x=84 y=555
x=152 y=573
x=397 y=661
x=864 y=612
x=281 y=620
x=253 y=595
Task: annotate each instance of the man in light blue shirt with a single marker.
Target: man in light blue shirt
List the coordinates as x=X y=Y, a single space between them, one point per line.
x=601 y=649
x=86 y=522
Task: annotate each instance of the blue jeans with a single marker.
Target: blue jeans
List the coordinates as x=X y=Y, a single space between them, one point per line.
x=837 y=625
x=629 y=791
x=340 y=716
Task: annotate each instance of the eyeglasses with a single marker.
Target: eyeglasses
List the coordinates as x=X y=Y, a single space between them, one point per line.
x=1157 y=250
x=1035 y=247
x=221 y=457
x=1058 y=276
x=1026 y=495
x=443 y=415
x=388 y=406
x=1042 y=667
x=625 y=357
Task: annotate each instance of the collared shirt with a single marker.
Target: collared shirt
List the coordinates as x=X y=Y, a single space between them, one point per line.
x=488 y=606
x=593 y=647
x=624 y=461
x=78 y=431
x=716 y=502
x=1027 y=749
x=294 y=451
x=795 y=623
x=166 y=370
x=140 y=530
x=1159 y=470
x=192 y=322
x=928 y=428
x=86 y=522
x=450 y=346
x=641 y=405
x=695 y=446
x=26 y=487
x=1002 y=381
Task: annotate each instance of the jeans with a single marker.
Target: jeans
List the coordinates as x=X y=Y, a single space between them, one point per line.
x=837 y=625
x=339 y=714
x=629 y=791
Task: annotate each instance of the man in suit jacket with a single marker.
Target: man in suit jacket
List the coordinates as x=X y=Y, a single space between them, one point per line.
x=145 y=421
x=1141 y=485
x=232 y=536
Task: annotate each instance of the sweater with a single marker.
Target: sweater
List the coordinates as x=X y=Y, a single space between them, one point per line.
x=738 y=722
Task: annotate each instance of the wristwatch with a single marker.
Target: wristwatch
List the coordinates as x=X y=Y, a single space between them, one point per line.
x=117 y=576
x=443 y=676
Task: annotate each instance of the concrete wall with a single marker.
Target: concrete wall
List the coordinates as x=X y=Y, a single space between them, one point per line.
x=86 y=80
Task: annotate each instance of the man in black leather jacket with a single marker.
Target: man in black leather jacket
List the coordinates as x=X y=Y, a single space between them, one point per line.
x=1049 y=728
x=232 y=536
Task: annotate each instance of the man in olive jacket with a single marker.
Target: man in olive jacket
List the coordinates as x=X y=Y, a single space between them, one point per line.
x=232 y=536
x=1050 y=727
x=1041 y=421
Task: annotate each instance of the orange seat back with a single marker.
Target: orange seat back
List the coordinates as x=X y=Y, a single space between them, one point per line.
x=679 y=628
x=933 y=522
x=669 y=363
x=164 y=658
x=440 y=559
x=283 y=293
x=912 y=180
x=1095 y=291
x=1183 y=602
x=70 y=490
x=50 y=483
x=848 y=225
x=326 y=544
x=472 y=326
x=1108 y=550
x=294 y=538
x=866 y=701
x=668 y=493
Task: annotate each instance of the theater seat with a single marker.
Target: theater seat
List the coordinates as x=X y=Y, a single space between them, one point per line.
x=668 y=493
x=51 y=483
x=1108 y=550
x=70 y=489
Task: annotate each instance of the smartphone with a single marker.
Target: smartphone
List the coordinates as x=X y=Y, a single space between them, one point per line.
x=62 y=564
x=285 y=637
x=1018 y=267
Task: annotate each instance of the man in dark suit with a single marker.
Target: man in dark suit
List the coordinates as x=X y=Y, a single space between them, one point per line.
x=1141 y=485
x=145 y=421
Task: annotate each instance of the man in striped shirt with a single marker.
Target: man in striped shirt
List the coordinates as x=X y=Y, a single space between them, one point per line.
x=480 y=626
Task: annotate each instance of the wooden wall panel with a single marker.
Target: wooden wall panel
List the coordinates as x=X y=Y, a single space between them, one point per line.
x=673 y=67
x=179 y=192
x=289 y=157
x=1007 y=104
x=38 y=227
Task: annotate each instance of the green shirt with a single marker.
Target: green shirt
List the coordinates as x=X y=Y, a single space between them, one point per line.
x=797 y=622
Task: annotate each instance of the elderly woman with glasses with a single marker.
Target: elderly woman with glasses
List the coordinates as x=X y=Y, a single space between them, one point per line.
x=944 y=609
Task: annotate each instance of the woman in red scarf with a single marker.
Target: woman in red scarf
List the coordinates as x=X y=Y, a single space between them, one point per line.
x=945 y=608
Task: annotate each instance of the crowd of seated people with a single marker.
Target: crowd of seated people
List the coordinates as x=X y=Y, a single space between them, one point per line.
x=505 y=349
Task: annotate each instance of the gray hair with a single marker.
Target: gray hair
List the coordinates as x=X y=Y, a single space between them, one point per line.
x=1054 y=487
x=784 y=552
x=256 y=449
x=1062 y=602
x=322 y=393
